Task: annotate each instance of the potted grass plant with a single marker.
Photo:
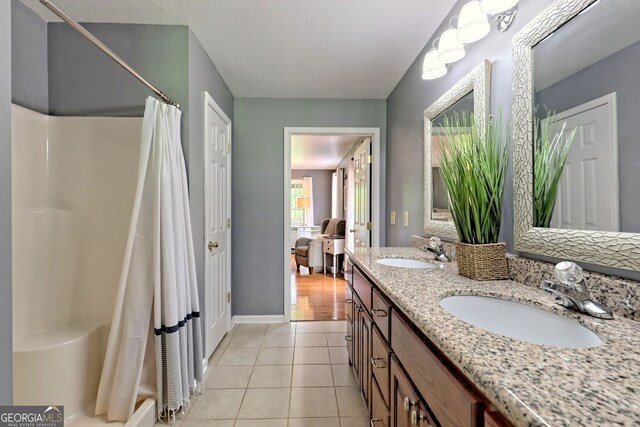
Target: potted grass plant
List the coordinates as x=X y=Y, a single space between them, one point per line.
x=550 y=150
x=473 y=167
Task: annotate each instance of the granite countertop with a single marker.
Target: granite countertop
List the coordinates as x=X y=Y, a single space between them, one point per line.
x=534 y=385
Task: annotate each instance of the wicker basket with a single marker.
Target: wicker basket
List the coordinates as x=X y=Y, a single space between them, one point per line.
x=482 y=262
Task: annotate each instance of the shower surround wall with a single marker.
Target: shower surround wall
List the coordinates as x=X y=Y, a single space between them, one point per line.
x=73 y=186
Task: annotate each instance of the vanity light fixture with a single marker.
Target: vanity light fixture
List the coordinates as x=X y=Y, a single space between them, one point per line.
x=431 y=67
x=450 y=49
x=472 y=23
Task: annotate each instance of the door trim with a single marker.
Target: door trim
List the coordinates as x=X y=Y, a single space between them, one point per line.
x=210 y=102
x=376 y=174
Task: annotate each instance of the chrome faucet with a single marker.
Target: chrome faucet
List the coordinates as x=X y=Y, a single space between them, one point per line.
x=436 y=248
x=572 y=292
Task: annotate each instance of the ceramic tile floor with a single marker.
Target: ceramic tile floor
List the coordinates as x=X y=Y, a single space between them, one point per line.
x=280 y=375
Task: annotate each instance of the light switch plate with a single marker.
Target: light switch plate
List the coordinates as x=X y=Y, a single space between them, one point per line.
x=393 y=217
x=406 y=218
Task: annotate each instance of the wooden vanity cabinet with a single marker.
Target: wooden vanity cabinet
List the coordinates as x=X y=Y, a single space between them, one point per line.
x=452 y=401
x=405 y=380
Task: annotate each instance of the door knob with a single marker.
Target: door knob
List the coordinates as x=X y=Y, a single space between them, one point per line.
x=212 y=245
x=353 y=230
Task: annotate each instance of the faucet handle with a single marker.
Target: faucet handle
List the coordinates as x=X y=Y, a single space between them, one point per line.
x=569 y=273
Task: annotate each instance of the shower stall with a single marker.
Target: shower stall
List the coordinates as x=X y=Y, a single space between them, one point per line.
x=73 y=185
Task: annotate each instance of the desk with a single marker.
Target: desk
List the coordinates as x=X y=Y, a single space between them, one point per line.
x=333 y=246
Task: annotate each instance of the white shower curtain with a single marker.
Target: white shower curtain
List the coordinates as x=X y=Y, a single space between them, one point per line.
x=155 y=343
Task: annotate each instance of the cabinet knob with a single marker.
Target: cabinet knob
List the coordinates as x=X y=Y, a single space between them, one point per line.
x=408 y=403
x=373 y=421
x=414 y=418
x=348 y=300
x=348 y=338
x=353 y=230
x=378 y=312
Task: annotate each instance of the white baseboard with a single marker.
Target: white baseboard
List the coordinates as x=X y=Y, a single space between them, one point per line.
x=257 y=319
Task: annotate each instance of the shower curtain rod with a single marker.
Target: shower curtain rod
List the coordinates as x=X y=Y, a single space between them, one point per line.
x=111 y=54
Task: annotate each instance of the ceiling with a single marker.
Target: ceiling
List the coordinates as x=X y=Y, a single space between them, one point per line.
x=289 y=48
x=320 y=151
x=591 y=36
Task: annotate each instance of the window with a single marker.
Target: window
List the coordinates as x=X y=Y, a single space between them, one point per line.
x=297 y=191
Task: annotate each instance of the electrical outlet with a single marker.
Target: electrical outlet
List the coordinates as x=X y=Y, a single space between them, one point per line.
x=393 y=217
x=406 y=218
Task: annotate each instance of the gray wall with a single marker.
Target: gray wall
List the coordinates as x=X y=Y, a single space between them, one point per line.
x=203 y=76
x=616 y=73
x=405 y=108
x=30 y=84
x=84 y=81
x=6 y=343
x=321 y=191
x=258 y=187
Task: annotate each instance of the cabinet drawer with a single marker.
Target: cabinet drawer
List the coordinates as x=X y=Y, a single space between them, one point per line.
x=453 y=403
x=494 y=419
x=379 y=410
x=348 y=272
x=380 y=352
x=381 y=313
x=362 y=287
x=328 y=245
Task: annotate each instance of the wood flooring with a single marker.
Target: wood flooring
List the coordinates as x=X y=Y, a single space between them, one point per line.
x=316 y=296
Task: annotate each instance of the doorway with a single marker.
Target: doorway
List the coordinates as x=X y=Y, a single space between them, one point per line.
x=320 y=296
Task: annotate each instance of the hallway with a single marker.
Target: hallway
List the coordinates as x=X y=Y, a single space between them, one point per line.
x=316 y=296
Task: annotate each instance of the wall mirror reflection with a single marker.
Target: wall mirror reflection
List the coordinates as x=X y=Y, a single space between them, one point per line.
x=439 y=143
x=586 y=95
x=468 y=97
x=575 y=86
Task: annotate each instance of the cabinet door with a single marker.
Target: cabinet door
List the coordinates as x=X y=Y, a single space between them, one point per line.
x=357 y=332
x=349 y=335
x=404 y=398
x=379 y=410
x=365 y=366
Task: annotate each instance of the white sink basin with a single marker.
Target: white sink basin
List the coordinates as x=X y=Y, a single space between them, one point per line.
x=405 y=263
x=520 y=321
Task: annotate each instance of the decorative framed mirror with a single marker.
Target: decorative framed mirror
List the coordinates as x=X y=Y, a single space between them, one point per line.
x=469 y=95
x=574 y=82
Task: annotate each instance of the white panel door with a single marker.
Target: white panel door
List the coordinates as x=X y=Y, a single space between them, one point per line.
x=362 y=232
x=588 y=192
x=217 y=189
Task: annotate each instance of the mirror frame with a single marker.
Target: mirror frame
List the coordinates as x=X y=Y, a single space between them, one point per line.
x=612 y=249
x=478 y=81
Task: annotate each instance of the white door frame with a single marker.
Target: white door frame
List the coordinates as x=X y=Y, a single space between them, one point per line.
x=210 y=102
x=374 y=133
